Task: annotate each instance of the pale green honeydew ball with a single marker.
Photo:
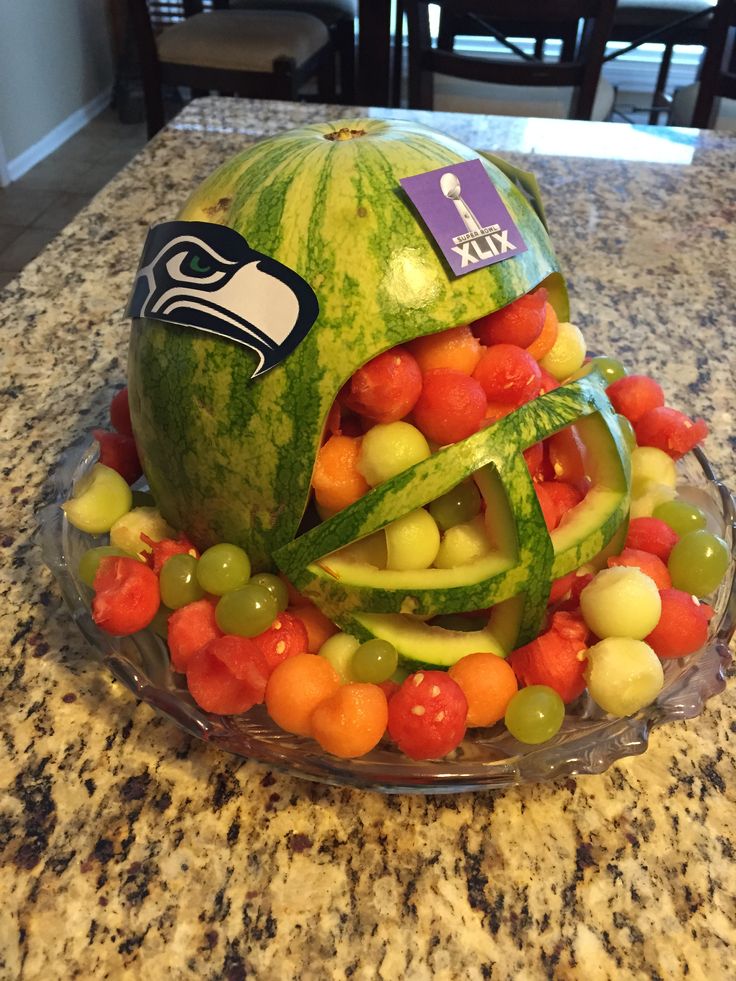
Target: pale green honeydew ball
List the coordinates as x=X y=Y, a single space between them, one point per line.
x=623 y=675
x=621 y=602
x=463 y=543
x=390 y=448
x=645 y=504
x=650 y=466
x=100 y=498
x=338 y=650
x=412 y=541
x=653 y=480
x=126 y=533
x=567 y=353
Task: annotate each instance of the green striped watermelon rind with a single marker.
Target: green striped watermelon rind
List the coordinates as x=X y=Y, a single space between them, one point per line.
x=420 y=645
x=229 y=459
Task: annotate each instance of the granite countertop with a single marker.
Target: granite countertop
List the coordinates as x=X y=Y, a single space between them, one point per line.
x=131 y=849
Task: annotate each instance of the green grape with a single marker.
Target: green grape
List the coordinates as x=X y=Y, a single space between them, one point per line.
x=100 y=498
x=627 y=431
x=275 y=586
x=374 y=661
x=534 y=714
x=680 y=516
x=247 y=611
x=610 y=368
x=456 y=506
x=90 y=562
x=698 y=562
x=388 y=449
x=178 y=581
x=223 y=568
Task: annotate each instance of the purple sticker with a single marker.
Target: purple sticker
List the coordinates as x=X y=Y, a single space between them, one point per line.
x=465 y=215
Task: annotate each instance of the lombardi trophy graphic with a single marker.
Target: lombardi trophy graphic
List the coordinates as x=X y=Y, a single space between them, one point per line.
x=450 y=187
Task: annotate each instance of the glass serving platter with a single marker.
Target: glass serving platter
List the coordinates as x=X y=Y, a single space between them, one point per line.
x=487 y=759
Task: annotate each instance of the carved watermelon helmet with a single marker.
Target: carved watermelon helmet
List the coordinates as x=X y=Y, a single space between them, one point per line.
x=230 y=457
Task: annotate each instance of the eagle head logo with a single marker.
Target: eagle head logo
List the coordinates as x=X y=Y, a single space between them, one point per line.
x=206 y=276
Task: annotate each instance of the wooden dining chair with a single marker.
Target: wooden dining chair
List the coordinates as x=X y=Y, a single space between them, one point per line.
x=452 y=25
x=665 y=22
x=267 y=54
x=339 y=18
x=568 y=87
x=700 y=104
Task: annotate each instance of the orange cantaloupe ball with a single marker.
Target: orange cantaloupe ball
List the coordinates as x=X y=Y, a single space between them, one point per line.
x=488 y=683
x=351 y=722
x=319 y=627
x=457 y=348
x=336 y=479
x=546 y=340
x=295 y=689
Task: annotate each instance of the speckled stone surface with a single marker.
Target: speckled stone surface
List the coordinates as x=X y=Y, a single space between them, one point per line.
x=130 y=850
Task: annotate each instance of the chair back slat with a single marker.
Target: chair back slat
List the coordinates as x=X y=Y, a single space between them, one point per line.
x=718 y=72
x=505 y=72
x=524 y=11
x=583 y=58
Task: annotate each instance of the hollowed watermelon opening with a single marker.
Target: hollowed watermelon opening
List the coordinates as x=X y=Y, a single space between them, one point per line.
x=369 y=601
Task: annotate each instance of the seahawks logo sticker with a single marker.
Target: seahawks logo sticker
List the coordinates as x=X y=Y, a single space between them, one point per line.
x=206 y=276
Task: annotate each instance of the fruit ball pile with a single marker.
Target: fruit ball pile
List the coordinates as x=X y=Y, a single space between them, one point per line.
x=241 y=638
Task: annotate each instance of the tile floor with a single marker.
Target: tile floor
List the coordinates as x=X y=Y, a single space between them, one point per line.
x=34 y=208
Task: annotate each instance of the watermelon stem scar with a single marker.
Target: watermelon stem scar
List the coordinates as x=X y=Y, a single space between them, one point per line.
x=344 y=133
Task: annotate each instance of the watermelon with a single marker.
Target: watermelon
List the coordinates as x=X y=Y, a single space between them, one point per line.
x=229 y=458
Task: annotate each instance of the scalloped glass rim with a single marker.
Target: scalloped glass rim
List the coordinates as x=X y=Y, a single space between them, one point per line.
x=589 y=741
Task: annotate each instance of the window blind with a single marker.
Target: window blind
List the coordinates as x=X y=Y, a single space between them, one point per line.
x=163 y=12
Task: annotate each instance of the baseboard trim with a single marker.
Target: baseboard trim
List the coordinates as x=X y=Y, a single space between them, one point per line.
x=58 y=135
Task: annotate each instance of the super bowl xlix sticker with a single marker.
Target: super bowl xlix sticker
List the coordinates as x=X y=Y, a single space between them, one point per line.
x=206 y=276
x=465 y=215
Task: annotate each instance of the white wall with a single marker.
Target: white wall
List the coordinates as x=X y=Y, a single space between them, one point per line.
x=56 y=64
